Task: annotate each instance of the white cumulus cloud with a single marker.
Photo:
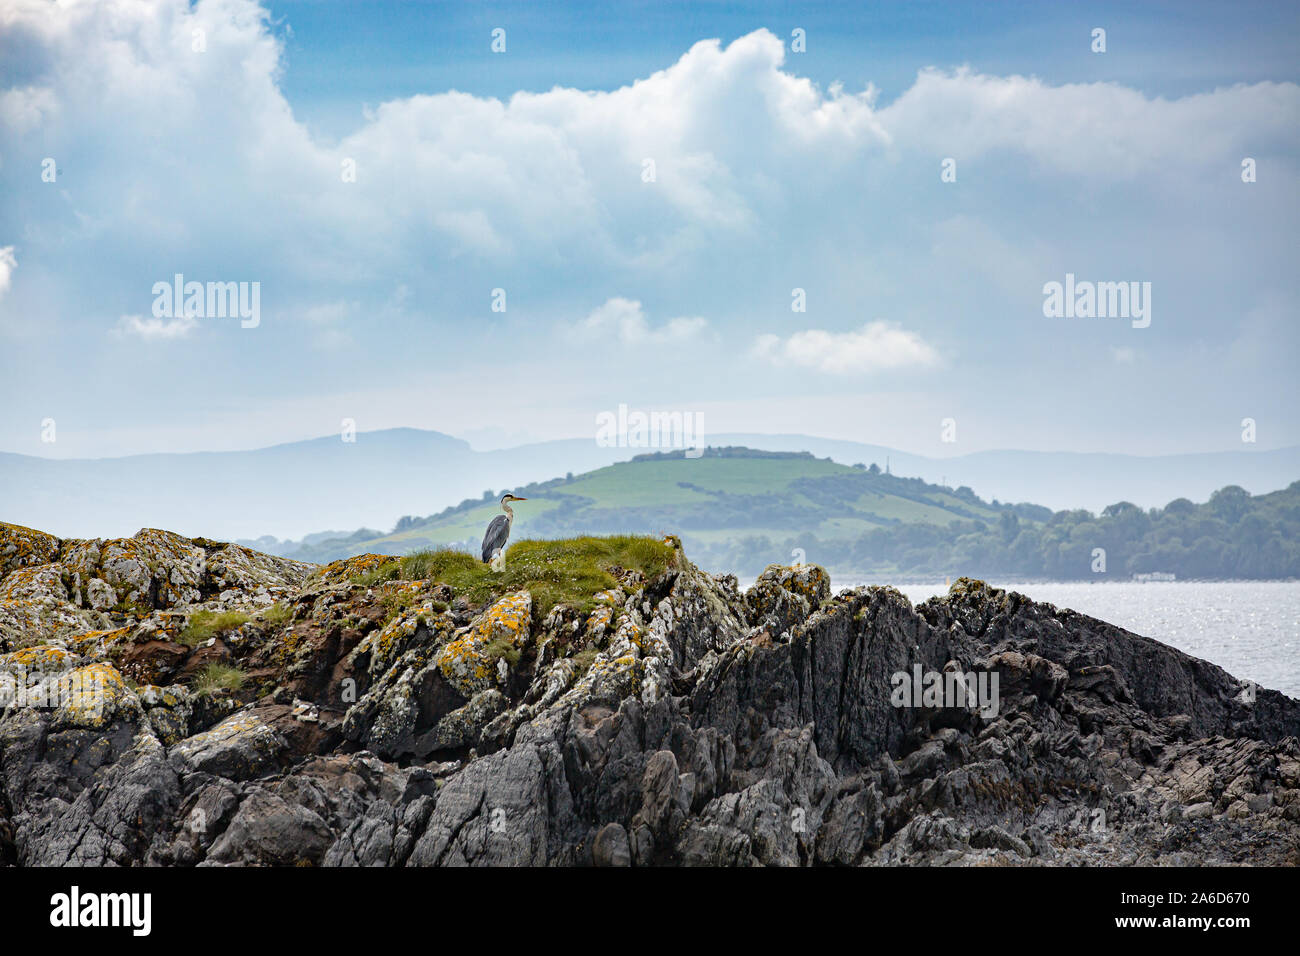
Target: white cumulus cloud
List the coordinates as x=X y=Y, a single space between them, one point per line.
x=625 y=319
x=8 y=263
x=444 y=188
x=874 y=347
x=156 y=330
x=196 y=162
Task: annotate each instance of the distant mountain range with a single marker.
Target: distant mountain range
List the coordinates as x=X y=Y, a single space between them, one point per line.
x=302 y=488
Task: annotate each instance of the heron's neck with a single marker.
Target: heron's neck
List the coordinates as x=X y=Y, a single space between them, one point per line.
x=510 y=515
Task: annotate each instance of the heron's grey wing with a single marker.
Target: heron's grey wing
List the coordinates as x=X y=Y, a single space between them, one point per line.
x=497 y=533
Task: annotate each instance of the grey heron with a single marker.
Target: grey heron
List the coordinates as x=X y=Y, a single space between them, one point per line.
x=498 y=533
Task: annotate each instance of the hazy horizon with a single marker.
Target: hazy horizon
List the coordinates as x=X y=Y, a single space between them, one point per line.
x=298 y=488
x=53 y=452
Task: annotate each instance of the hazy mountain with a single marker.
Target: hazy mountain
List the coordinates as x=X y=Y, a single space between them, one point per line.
x=298 y=488
x=286 y=490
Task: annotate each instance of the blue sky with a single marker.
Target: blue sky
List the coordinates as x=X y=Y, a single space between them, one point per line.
x=774 y=170
x=340 y=55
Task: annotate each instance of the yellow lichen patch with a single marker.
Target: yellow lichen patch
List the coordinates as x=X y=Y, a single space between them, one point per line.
x=381 y=643
x=599 y=621
x=40 y=659
x=462 y=661
x=288 y=645
x=81 y=557
x=24 y=547
x=397 y=597
x=975 y=588
x=37 y=584
x=397 y=588
x=171 y=623
x=228 y=729
x=610 y=677
x=809 y=580
x=628 y=639
x=93 y=697
x=470 y=661
x=97 y=643
x=399 y=636
x=345 y=569
x=26 y=622
x=155 y=696
x=511 y=613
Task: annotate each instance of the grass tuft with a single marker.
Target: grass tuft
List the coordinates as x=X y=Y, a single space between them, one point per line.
x=584 y=659
x=203 y=625
x=216 y=677
x=277 y=614
x=567 y=571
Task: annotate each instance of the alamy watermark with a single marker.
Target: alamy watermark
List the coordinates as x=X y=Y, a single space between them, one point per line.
x=1098 y=300
x=21 y=687
x=74 y=908
x=976 y=690
x=631 y=428
x=210 y=300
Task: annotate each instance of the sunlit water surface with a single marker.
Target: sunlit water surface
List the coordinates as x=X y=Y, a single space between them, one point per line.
x=1249 y=628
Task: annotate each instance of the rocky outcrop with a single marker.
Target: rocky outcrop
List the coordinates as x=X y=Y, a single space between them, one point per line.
x=178 y=702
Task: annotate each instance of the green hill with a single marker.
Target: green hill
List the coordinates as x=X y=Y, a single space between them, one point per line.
x=738 y=509
x=708 y=501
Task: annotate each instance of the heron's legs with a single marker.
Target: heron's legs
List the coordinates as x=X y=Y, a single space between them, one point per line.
x=498 y=562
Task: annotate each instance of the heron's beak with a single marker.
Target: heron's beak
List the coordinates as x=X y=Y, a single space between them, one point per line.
x=521 y=499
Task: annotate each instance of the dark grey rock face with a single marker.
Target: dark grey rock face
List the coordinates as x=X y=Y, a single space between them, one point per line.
x=679 y=723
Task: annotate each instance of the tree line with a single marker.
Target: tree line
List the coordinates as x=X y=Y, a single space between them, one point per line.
x=1234 y=535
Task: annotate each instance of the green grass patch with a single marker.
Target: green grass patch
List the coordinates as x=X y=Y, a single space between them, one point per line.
x=203 y=625
x=567 y=571
x=277 y=614
x=584 y=659
x=502 y=647
x=217 y=677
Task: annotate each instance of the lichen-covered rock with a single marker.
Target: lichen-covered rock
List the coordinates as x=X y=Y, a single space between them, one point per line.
x=701 y=613
x=501 y=632
x=100 y=595
x=347 y=569
x=25 y=547
x=463 y=728
x=35 y=607
x=408 y=701
x=34 y=583
x=236 y=572
x=784 y=596
x=150 y=569
x=39 y=659
x=168 y=711
x=93 y=697
x=229 y=708
x=241 y=747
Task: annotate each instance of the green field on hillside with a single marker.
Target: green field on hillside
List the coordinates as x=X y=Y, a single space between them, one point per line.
x=708 y=500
